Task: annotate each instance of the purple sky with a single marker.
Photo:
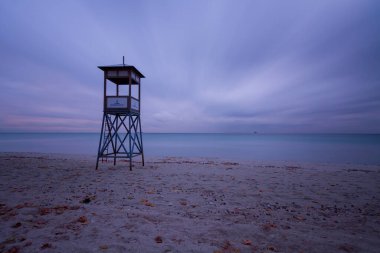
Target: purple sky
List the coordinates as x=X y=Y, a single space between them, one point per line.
x=210 y=66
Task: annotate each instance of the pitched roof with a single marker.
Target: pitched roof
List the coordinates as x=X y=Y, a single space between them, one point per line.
x=122 y=67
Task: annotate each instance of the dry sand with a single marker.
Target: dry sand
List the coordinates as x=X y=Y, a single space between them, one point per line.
x=59 y=203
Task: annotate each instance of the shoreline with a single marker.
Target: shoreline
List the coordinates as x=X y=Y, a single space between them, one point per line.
x=152 y=158
x=60 y=203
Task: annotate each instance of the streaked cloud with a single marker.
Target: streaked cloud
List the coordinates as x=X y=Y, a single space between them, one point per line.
x=211 y=66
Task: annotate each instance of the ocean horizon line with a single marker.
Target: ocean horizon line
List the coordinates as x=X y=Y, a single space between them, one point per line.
x=227 y=133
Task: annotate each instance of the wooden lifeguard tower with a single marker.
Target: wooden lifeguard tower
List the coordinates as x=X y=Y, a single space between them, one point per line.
x=121 y=135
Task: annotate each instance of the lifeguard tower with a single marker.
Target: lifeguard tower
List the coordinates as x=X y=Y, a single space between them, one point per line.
x=121 y=135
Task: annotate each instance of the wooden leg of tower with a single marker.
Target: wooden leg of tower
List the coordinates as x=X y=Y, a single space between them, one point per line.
x=116 y=136
x=130 y=143
x=97 y=162
x=100 y=143
x=141 y=141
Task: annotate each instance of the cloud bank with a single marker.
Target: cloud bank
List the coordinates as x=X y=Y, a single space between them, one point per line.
x=211 y=66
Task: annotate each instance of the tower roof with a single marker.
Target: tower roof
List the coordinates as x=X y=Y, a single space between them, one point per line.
x=122 y=67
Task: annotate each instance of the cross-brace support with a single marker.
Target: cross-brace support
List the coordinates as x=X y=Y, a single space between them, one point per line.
x=120 y=137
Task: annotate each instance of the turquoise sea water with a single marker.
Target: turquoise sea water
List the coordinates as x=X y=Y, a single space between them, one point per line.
x=330 y=148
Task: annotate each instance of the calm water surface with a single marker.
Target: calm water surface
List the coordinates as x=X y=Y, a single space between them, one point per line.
x=334 y=148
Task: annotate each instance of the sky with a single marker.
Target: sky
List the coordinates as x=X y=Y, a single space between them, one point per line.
x=210 y=65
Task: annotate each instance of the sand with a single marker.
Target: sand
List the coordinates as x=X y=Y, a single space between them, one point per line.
x=60 y=203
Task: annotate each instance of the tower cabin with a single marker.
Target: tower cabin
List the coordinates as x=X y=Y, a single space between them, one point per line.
x=122 y=75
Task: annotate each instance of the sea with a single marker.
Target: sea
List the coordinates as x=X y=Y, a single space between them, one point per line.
x=320 y=148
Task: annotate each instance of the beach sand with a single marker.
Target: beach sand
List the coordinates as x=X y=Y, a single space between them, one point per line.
x=60 y=203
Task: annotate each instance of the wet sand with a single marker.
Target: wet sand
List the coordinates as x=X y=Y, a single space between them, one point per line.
x=60 y=203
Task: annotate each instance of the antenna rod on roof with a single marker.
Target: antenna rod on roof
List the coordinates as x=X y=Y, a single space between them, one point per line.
x=123 y=60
